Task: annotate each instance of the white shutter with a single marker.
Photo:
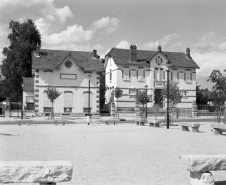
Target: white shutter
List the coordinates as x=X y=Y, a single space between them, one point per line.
x=126 y=73
x=68 y=99
x=47 y=102
x=188 y=76
x=30 y=99
x=140 y=73
x=174 y=75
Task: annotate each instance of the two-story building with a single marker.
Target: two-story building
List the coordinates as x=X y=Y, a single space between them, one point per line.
x=132 y=69
x=75 y=74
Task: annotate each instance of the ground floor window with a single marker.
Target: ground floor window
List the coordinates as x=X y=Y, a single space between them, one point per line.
x=30 y=106
x=67 y=109
x=47 y=109
x=86 y=110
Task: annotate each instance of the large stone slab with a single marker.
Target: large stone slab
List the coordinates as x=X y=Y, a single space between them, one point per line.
x=204 y=163
x=35 y=171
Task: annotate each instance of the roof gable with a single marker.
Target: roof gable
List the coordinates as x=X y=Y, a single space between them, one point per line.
x=52 y=59
x=177 y=59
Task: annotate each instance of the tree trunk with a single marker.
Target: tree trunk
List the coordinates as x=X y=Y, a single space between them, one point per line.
x=52 y=114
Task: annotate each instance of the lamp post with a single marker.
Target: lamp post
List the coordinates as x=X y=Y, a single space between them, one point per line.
x=89 y=76
x=22 y=108
x=167 y=109
x=146 y=89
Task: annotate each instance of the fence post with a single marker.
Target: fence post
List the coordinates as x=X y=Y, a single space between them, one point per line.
x=194 y=109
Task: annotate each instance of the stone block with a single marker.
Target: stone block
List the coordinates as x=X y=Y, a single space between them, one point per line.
x=204 y=163
x=35 y=171
x=201 y=178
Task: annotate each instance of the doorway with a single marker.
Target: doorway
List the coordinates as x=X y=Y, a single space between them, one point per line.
x=158 y=97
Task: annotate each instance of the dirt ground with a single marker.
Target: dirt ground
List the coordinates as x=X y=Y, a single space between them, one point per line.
x=113 y=154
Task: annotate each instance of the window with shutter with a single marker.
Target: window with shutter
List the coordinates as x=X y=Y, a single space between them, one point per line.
x=47 y=102
x=140 y=74
x=188 y=76
x=30 y=99
x=68 y=99
x=126 y=75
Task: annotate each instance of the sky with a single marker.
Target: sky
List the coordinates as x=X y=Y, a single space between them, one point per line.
x=85 y=25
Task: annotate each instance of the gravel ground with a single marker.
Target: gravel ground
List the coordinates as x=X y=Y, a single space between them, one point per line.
x=113 y=154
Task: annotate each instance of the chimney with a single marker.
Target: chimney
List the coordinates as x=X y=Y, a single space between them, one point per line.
x=95 y=54
x=133 y=53
x=37 y=50
x=159 y=48
x=188 y=53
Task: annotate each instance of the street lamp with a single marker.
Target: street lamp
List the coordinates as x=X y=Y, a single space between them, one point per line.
x=89 y=76
x=22 y=109
x=167 y=110
x=146 y=89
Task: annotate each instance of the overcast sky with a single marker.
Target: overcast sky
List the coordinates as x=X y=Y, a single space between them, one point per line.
x=103 y=24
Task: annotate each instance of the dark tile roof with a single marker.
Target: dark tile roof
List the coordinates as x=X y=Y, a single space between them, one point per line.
x=177 y=59
x=28 y=84
x=51 y=59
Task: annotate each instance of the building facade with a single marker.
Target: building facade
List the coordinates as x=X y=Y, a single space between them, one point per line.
x=132 y=69
x=75 y=74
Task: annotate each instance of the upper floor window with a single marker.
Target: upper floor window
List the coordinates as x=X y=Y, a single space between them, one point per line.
x=140 y=73
x=68 y=76
x=110 y=75
x=126 y=73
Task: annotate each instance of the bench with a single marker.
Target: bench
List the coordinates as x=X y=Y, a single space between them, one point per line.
x=140 y=121
x=201 y=165
x=23 y=122
x=218 y=129
x=194 y=126
x=65 y=116
x=108 y=121
x=154 y=122
x=42 y=172
x=63 y=122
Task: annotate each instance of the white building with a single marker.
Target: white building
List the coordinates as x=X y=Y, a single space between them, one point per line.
x=132 y=69
x=69 y=72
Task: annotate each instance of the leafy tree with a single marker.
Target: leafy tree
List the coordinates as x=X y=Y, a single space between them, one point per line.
x=202 y=95
x=52 y=94
x=142 y=98
x=118 y=94
x=218 y=94
x=175 y=93
x=18 y=59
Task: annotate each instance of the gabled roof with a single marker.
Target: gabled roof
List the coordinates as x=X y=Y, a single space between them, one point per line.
x=177 y=59
x=28 y=84
x=51 y=59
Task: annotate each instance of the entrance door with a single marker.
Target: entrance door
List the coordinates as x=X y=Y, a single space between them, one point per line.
x=158 y=97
